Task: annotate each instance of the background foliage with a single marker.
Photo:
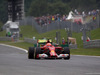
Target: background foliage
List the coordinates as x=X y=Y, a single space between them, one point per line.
x=44 y=7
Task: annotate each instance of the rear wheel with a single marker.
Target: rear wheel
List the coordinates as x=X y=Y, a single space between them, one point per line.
x=67 y=51
x=31 y=53
x=37 y=52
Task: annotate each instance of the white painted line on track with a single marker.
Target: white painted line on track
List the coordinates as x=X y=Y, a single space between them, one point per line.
x=27 y=51
x=87 y=56
x=92 y=73
x=15 y=47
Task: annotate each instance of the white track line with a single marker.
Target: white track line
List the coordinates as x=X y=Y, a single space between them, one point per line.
x=87 y=56
x=92 y=73
x=27 y=51
x=15 y=47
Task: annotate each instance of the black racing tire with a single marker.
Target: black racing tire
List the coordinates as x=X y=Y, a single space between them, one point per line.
x=31 y=53
x=37 y=51
x=67 y=51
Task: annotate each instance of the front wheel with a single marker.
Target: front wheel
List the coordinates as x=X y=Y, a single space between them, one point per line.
x=37 y=52
x=67 y=51
x=31 y=53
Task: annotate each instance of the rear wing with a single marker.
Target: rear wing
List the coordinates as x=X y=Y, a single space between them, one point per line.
x=41 y=42
x=44 y=41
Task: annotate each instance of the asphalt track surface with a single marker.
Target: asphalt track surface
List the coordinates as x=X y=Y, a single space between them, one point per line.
x=14 y=61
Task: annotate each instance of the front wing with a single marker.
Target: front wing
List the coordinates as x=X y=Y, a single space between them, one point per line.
x=58 y=56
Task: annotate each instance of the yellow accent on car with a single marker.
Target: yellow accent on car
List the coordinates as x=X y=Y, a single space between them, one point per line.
x=53 y=51
x=43 y=40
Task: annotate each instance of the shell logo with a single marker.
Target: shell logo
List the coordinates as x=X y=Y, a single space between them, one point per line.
x=52 y=51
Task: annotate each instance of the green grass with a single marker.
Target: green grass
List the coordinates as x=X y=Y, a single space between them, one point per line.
x=29 y=31
x=81 y=51
x=95 y=34
x=3 y=33
x=23 y=45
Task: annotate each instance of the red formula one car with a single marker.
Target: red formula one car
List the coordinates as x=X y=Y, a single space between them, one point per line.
x=49 y=51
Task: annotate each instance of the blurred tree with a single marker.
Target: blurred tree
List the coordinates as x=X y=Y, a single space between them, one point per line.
x=38 y=8
x=59 y=8
x=3 y=11
x=43 y=8
x=98 y=3
x=1 y=24
x=82 y=5
x=27 y=5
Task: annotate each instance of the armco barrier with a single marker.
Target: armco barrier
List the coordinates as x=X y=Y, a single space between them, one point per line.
x=73 y=46
x=5 y=39
x=92 y=44
x=30 y=40
x=60 y=24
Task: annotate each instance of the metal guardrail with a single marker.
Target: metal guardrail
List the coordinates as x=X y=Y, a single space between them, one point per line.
x=60 y=25
x=5 y=39
x=73 y=46
x=30 y=40
x=92 y=44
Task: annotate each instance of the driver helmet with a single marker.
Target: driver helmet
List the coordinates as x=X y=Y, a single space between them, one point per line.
x=49 y=44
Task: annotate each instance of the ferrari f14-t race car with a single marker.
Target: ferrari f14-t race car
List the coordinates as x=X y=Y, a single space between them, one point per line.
x=48 y=50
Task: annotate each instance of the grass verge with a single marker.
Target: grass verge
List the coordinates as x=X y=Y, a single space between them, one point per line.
x=79 y=51
x=29 y=32
x=23 y=45
x=82 y=51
